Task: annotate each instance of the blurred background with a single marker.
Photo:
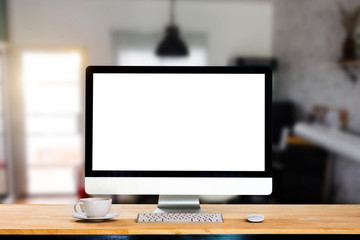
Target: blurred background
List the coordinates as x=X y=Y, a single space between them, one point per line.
x=312 y=46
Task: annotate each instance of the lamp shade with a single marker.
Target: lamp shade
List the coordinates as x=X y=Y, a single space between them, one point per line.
x=172 y=45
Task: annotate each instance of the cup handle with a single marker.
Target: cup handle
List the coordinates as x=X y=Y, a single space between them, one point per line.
x=78 y=208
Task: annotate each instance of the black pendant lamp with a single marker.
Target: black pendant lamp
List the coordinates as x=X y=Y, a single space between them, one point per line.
x=172 y=45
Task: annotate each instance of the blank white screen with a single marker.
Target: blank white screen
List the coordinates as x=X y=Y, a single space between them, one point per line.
x=179 y=122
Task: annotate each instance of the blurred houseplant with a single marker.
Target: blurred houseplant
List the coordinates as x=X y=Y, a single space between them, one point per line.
x=349 y=20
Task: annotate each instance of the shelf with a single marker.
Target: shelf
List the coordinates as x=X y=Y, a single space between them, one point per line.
x=334 y=140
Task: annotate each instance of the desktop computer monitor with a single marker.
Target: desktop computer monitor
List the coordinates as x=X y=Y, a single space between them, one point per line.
x=178 y=132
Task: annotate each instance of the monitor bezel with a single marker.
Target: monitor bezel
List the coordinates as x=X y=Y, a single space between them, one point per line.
x=90 y=70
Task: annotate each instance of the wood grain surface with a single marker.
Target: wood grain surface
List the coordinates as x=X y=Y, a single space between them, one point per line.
x=279 y=219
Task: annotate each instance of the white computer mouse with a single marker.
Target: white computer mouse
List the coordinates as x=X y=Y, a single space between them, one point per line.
x=255 y=218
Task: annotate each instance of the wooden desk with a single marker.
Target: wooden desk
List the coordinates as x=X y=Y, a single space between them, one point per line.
x=279 y=219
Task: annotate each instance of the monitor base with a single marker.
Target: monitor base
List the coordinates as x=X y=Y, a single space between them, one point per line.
x=178 y=204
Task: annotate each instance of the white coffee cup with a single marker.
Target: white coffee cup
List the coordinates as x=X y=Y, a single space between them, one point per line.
x=93 y=207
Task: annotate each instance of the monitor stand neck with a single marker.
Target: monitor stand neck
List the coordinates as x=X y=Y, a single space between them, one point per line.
x=178 y=204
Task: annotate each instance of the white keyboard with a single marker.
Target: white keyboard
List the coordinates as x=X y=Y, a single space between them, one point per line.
x=179 y=217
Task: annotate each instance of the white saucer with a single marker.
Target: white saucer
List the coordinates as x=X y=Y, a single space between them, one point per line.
x=84 y=217
x=256 y=218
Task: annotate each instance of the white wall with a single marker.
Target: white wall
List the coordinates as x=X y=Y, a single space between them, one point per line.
x=243 y=28
x=308 y=44
x=308 y=40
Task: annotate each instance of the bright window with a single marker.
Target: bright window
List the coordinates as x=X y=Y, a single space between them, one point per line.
x=52 y=109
